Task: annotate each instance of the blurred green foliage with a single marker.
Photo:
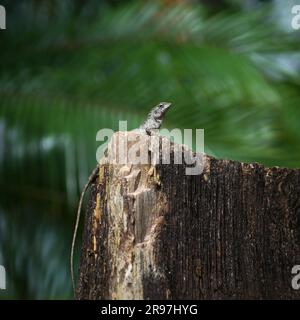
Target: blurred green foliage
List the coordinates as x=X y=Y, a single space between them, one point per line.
x=70 y=68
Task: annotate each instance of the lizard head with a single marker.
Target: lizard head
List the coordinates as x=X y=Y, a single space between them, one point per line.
x=158 y=113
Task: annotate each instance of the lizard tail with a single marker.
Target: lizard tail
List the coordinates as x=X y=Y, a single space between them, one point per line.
x=91 y=178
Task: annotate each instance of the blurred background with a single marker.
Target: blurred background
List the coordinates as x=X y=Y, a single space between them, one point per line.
x=70 y=68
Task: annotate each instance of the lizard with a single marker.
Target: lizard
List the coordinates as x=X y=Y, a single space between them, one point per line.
x=152 y=123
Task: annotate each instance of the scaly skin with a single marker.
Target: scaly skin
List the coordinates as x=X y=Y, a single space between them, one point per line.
x=153 y=122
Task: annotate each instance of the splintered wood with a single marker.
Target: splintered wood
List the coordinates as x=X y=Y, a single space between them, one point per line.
x=153 y=232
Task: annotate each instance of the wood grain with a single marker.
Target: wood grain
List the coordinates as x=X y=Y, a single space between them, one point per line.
x=153 y=232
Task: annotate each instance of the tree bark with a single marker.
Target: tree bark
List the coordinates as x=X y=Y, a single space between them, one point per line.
x=153 y=232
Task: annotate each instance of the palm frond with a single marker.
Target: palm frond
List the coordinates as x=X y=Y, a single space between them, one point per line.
x=64 y=75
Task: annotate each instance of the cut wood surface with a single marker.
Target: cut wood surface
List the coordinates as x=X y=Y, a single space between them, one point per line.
x=153 y=232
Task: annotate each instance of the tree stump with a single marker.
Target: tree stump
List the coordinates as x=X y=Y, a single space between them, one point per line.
x=153 y=232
